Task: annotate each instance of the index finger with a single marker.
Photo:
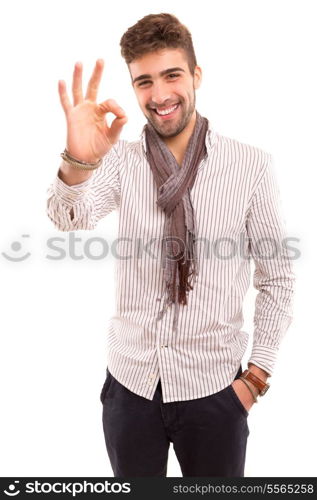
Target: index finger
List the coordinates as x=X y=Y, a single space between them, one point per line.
x=110 y=106
x=94 y=81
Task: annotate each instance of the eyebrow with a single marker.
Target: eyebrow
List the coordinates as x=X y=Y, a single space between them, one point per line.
x=162 y=73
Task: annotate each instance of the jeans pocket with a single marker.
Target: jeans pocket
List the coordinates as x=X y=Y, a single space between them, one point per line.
x=105 y=386
x=237 y=401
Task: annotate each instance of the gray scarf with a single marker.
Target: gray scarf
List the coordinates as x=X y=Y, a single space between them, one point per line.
x=179 y=254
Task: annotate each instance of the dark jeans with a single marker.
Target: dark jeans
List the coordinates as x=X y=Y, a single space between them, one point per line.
x=209 y=434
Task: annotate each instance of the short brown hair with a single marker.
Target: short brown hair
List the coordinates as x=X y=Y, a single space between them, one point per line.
x=154 y=32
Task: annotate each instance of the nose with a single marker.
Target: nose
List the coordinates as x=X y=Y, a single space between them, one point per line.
x=160 y=94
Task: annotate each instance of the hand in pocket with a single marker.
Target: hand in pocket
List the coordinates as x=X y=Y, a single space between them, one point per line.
x=243 y=394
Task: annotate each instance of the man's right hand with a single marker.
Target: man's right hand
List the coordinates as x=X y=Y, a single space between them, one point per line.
x=89 y=137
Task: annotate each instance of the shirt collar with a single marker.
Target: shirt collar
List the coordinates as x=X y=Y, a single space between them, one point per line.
x=210 y=138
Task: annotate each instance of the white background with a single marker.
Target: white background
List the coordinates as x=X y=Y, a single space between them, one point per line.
x=259 y=86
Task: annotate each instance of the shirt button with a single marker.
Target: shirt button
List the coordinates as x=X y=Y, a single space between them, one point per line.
x=164 y=345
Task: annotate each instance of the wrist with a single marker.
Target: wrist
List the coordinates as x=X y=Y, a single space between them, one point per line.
x=262 y=374
x=82 y=158
x=254 y=375
x=251 y=389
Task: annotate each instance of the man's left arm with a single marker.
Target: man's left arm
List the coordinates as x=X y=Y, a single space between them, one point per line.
x=273 y=276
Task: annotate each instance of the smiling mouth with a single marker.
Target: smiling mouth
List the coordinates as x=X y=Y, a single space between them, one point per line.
x=166 y=111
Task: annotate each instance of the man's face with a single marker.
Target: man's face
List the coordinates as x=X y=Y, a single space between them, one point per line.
x=165 y=89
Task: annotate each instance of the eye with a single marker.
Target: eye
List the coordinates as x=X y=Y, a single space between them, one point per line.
x=173 y=75
x=144 y=82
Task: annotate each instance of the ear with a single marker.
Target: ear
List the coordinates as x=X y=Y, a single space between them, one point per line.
x=197 y=77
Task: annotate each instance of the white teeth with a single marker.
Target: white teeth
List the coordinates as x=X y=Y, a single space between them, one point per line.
x=167 y=111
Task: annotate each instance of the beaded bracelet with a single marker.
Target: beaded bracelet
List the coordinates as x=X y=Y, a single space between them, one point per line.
x=79 y=164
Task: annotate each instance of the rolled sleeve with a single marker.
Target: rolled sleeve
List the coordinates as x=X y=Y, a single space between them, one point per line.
x=71 y=194
x=81 y=206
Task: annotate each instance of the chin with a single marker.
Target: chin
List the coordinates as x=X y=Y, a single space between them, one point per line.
x=171 y=133
x=168 y=131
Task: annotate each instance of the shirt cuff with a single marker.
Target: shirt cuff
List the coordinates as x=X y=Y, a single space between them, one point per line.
x=264 y=357
x=71 y=194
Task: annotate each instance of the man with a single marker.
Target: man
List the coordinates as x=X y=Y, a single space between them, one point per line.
x=207 y=202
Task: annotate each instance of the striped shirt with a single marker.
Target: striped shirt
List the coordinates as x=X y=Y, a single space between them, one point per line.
x=238 y=217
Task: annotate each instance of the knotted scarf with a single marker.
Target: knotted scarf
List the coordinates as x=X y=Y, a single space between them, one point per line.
x=174 y=182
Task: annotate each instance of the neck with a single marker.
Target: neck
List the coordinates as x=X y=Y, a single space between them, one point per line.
x=178 y=144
